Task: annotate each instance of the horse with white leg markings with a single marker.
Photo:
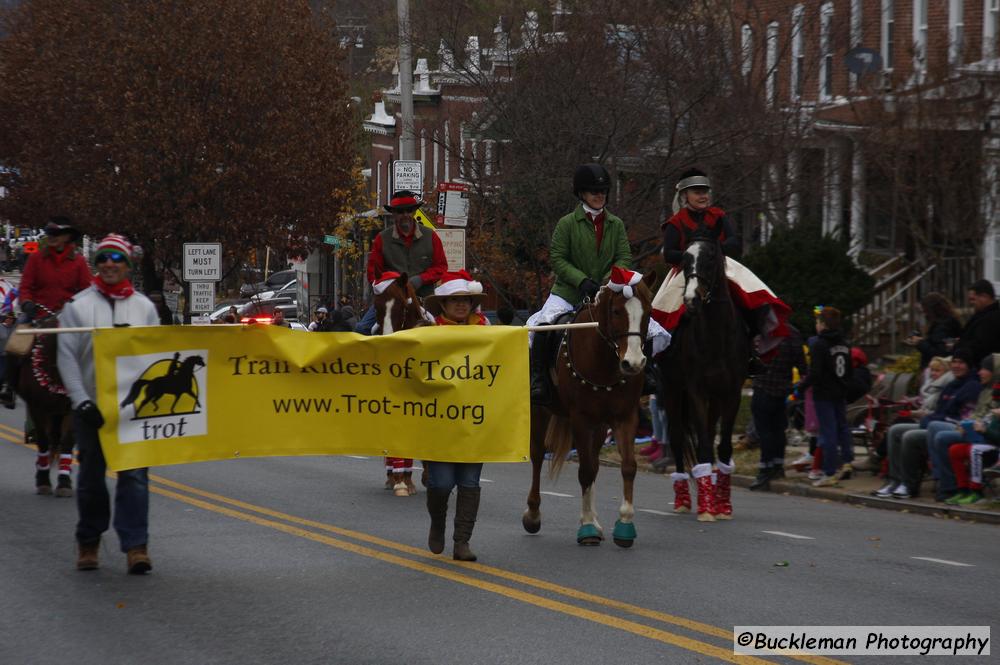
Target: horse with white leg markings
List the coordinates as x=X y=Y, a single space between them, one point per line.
x=598 y=382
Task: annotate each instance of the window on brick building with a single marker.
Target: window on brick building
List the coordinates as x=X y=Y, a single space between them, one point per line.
x=825 y=51
x=956 y=31
x=888 y=33
x=798 y=56
x=771 y=84
x=919 y=37
x=991 y=25
x=746 y=50
x=857 y=33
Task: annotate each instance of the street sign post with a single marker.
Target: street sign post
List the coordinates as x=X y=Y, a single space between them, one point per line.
x=453 y=204
x=202 y=261
x=453 y=242
x=202 y=296
x=408 y=174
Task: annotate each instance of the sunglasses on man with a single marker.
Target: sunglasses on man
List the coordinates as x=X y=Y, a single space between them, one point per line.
x=115 y=257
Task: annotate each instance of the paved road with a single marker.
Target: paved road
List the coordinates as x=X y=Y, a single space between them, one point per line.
x=309 y=560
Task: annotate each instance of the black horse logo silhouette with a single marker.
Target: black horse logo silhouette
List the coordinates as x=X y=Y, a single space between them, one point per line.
x=166 y=377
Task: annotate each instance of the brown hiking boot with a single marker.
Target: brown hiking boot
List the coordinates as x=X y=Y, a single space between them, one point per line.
x=138 y=561
x=86 y=556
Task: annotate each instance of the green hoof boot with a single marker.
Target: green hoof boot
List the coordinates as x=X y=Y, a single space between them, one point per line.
x=588 y=534
x=624 y=534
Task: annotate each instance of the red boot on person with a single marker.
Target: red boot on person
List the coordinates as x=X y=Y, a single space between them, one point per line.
x=653 y=446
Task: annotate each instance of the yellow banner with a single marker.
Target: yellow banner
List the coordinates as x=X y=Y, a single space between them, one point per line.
x=188 y=394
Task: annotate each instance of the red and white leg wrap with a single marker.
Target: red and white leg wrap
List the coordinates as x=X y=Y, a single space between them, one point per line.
x=706 y=492
x=42 y=462
x=682 y=492
x=723 y=506
x=65 y=464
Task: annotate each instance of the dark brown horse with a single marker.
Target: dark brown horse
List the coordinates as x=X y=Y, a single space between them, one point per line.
x=598 y=382
x=704 y=370
x=40 y=386
x=397 y=308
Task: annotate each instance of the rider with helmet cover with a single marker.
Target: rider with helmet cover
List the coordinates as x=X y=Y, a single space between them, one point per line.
x=51 y=276
x=586 y=244
x=765 y=314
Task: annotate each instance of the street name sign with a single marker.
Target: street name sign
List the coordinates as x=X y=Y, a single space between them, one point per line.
x=408 y=174
x=202 y=261
x=453 y=243
x=453 y=204
x=202 y=296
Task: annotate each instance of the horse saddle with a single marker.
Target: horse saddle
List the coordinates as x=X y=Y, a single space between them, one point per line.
x=20 y=343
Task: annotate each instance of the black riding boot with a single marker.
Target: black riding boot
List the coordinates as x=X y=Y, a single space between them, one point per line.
x=437 y=506
x=12 y=369
x=539 y=366
x=651 y=374
x=466 y=509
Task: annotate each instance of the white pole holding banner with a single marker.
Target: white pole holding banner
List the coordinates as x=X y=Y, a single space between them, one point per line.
x=58 y=331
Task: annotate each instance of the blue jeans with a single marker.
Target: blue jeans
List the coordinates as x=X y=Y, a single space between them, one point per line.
x=92 y=500
x=367 y=321
x=770 y=418
x=445 y=475
x=659 y=419
x=834 y=434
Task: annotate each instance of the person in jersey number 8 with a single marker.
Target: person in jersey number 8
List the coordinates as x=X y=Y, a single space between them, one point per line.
x=455 y=301
x=585 y=245
x=111 y=301
x=765 y=314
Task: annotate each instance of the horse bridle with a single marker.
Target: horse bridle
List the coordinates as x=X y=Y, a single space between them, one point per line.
x=611 y=342
x=707 y=280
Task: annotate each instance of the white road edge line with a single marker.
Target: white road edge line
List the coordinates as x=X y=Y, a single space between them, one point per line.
x=356 y=456
x=789 y=535
x=944 y=561
x=484 y=480
x=656 y=512
x=566 y=496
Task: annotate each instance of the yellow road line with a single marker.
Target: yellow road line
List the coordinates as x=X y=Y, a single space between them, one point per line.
x=569 y=592
x=454 y=576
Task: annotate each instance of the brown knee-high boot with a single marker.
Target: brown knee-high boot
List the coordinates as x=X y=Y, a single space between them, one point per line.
x=437 y=506
x=466 y=509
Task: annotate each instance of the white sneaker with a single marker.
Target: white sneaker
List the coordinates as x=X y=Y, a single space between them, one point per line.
x=804 y=460
x=901 y=492
x=826 y=481
x=886 y=490
x=814 y=474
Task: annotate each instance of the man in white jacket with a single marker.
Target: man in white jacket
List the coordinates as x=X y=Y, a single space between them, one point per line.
x=110 y=301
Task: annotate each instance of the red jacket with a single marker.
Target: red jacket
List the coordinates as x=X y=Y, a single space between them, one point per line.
x=50 y=278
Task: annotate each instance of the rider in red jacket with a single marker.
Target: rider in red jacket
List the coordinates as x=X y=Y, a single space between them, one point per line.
x=53 y=275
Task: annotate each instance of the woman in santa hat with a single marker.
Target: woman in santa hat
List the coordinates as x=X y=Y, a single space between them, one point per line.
x=456 y=301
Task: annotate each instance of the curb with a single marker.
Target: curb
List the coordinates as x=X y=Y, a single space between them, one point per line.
x=899 y=505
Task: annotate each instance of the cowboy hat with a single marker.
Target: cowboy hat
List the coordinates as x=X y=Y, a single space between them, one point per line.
x=403 y=201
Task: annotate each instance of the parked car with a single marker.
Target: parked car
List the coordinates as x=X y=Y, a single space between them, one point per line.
x=273 y=282
x=286 y=291
x=223 y=307
x=263 y=311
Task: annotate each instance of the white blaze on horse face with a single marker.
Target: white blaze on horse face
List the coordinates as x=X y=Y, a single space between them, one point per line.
x=691 y=287
x=387 y=322
x=634 y=356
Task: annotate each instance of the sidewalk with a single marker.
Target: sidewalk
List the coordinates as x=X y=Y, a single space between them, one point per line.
x=855 y=490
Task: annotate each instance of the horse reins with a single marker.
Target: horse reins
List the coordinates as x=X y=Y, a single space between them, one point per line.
x=611 y=342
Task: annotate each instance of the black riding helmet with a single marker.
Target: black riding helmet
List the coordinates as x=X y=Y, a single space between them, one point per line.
x=591 y=178
x=62 y=225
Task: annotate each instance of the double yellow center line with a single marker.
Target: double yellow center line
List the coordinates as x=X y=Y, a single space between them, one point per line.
x=459 y=572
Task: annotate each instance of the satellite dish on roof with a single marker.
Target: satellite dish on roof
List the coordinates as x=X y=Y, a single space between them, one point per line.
x=860 y=61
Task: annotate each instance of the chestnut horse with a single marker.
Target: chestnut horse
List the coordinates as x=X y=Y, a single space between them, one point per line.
x=598 y=382
x=40 y=386
x=398 y=308
x=707 y=364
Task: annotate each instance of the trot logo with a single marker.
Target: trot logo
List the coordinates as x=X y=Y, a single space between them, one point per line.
x=162 y=395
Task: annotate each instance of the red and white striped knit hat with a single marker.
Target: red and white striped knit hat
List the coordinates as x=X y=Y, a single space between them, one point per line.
x=382 y=282
x=115 y=243
x=623 y=280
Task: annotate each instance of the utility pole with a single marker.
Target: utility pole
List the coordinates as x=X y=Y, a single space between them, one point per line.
x=407 y=147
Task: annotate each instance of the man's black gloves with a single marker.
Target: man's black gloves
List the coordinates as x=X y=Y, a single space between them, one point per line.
x=29 y=308
x=90 y=414
x=589 y=288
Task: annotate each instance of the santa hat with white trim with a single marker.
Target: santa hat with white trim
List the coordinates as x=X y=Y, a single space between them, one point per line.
x=623 y=280
x=383 y=281
x=456 y=283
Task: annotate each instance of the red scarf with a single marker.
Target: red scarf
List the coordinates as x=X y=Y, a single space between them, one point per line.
x=119 y=291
